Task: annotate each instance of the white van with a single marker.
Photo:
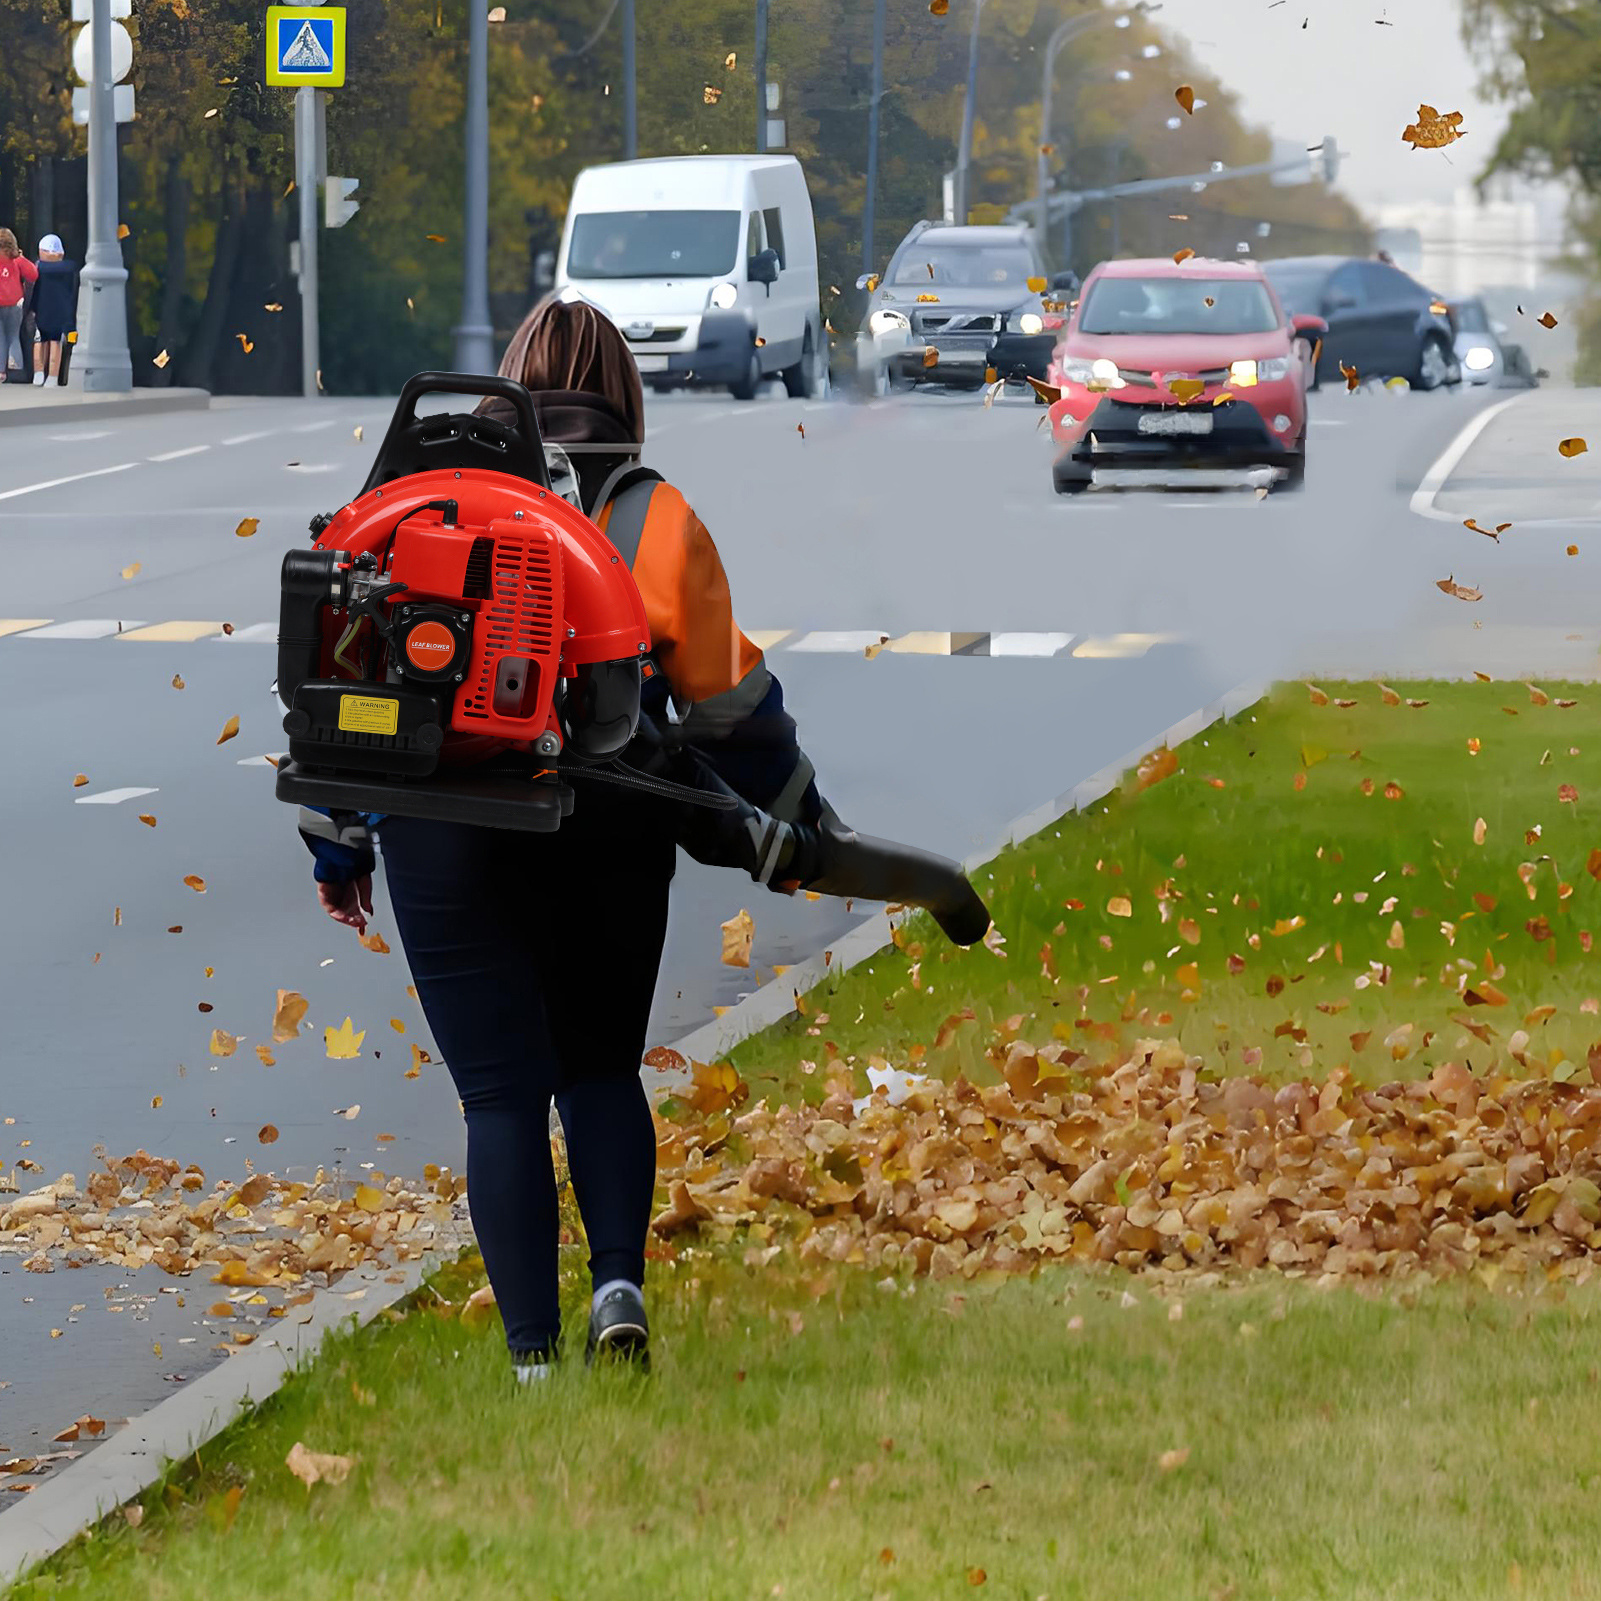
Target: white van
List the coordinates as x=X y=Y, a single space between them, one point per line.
x=708 y=265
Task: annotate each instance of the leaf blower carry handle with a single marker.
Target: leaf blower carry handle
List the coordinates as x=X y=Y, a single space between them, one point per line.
x=459 y=440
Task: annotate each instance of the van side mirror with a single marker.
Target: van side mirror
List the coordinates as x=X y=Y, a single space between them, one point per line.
x=762 y=268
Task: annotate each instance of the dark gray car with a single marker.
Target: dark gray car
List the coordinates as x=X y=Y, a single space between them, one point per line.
x=955 y=291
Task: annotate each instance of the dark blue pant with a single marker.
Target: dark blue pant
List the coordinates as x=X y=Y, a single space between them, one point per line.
x=535 y=958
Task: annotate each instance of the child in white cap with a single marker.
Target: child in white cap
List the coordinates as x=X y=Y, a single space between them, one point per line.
x=55 y=307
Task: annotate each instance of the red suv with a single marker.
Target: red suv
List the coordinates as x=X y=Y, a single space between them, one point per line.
x=1189 y=364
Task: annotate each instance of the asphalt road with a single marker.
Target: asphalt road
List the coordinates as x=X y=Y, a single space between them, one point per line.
x=919 y=516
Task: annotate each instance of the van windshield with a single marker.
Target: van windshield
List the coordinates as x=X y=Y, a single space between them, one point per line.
x=653 y=244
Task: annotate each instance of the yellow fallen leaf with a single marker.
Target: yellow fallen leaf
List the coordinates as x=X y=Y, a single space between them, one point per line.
x=80 y=781
x=1169 y=1460
x=273 y=305
x=1479 y=831
x=1181 y=256
x=313 y=1467
x=368 y=1198
x=343 y=1043
x=728 y=61
x=266 y=1056
x=133 y=569
x=375 y=942
x=1572 y=447
x=738 y=933
x=497 y=14
x=930 y=356
x=1185 y=96
x=245 y=342
x=1432 y=131
x=1120 y=906
x=288 y=1012
x=435 y=238
x=155 y=1103
x=248 y=527
x=267 y=1134
x=195 y=882
x=230 y=730
x=161 y=360
x=224 y=1043
x=177 y=681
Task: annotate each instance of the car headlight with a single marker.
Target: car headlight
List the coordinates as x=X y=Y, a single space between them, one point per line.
x=724 y=296
x=1031 y=323
x=884 y=321
x=1101 y=373
x=1243 y=374
x=1478 y=358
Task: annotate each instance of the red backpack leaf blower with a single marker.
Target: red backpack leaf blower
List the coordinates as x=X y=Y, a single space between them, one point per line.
x=460 y=642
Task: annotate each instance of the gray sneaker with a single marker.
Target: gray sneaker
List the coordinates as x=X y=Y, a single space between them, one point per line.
x=618 y=1327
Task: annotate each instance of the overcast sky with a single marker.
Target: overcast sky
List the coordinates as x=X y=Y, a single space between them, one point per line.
x=1347 y=75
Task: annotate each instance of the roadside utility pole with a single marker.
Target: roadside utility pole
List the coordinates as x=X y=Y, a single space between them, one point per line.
x=306 y=193
x=475 y=335
x=105 y=360
x=871 y=199
x=761 y=77
x=964 y=154
x=630 y=88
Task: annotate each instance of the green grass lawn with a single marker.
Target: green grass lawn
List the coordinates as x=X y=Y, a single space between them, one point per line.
x=1283 y=905
x=817 y=1431
x=841 y=1438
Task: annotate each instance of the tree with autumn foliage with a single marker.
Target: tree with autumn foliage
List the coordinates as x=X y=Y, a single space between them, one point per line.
x=1544 y=57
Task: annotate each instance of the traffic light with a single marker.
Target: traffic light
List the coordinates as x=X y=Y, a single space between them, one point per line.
x=1331 y=158
x=338 y=209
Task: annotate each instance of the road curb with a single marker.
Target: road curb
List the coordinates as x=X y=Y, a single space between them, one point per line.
x=126 y=1463
x=134 y=405
x=776 y=1000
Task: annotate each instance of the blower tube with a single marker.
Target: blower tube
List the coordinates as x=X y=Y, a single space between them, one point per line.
x=826 y=857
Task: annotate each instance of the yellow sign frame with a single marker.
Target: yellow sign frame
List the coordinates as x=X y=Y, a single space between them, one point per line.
x=334 y=76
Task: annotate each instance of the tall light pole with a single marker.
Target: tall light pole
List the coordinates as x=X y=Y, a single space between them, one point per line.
x=630 y=101
x=868 y=204
x=105 y=360
x=475 y=335
x=761 y=75
x=964 y=151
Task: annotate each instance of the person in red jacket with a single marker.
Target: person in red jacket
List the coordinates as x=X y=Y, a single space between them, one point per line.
x=16 y=274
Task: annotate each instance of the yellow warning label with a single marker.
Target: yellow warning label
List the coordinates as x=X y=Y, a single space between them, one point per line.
x=368 y=714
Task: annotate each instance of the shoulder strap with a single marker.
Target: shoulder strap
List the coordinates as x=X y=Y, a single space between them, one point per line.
x=629 y=498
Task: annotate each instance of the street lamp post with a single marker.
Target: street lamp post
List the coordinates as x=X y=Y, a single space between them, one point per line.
x=475 y=335
x=630 y=102
x=964 y=151
x=105 y=360
x=761 y=76
x=868 y=218
x=1068 y=30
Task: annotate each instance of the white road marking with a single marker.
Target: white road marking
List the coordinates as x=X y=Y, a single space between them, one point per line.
x=80 y=435
x=313 y=467
x=82 y=628
x=173 y=455
x=244 y=439
x=56 y=483
x=113 y=797
x=1029 y=644
x=254 y=761
x=840 y=640
x=1434 y=479
x=313 y=427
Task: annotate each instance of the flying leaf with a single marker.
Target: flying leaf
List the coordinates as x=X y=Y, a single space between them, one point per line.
x=245 y=343
x=1489 y=533
x=358 y=433
x=938 y=8
x=348 y=1113
x=1572 y=447
x=1537 y=696
x=1035 y=286
x=267 y=1134
x=161 y=360
x=1316 y=695
x=155 y=1103
x=709 y=95
x=1546 y=320
x=1181 y=256
x=1451 y=587
x=224 y=1043
x=1120 y=906
x=230 y=730
x=368 y=1198
x=210 y=114
x=930 y=357
x=1432 y=131
x=80 y=781
x=248 y=527
x=497 y=14
x=147 y=819
x=1573 y=550
x=273 y=305
x=729 y=60
x=343 y=1043
x=195 y=882
x=1352 y=378
x=872 y=282
x=738 y=933
x=312 y=1467
x=287 y=1016
x=1049 y=393
x=1567 y=794
x=1185 y=96
x=375 y=942
x=434 y=238
x=123 y=230
x=1480 y=829
x=132 y=570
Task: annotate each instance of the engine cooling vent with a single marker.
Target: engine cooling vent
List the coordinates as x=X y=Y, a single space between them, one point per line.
x=520 y=621
x=477 y=583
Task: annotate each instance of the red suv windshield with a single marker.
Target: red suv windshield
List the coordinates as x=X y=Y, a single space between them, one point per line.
x=1177 y=306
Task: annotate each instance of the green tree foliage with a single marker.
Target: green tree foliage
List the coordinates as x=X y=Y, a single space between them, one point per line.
x=208 y=163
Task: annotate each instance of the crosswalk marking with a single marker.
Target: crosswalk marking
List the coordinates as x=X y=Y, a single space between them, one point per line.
x=172 y=633
x=840 y=642
x=113 y=797
x=83 y=628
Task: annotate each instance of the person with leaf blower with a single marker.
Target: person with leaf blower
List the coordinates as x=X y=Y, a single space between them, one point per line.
x=535 y=957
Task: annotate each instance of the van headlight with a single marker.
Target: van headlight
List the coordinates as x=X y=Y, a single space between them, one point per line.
x=1478 y=358
x=724 y=296
x=884 y=321
x=1031 y=323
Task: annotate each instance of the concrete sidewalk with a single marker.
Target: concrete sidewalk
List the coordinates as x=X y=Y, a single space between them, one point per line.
x=21 y=404
x=1511 y=469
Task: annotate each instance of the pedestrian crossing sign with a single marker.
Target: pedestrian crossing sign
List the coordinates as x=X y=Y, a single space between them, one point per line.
x=306 y=45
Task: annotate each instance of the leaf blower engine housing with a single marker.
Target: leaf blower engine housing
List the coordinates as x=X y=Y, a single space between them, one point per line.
x=453 y=613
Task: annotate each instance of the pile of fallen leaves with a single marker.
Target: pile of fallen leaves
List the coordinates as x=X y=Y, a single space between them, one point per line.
x=266 y=1232
x=1148 y=1162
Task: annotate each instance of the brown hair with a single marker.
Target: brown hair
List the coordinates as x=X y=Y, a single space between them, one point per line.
x=573 y=345
x=8 y=244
